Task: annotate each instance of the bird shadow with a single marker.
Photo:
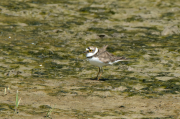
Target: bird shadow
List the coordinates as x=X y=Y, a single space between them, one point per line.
x=109 y=79
x=102 y=79
x=95 y=79
x=105 y=79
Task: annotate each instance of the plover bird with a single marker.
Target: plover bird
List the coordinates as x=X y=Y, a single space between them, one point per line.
x=100 y=58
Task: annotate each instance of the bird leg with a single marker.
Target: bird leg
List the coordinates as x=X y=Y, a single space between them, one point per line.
x=100 y=72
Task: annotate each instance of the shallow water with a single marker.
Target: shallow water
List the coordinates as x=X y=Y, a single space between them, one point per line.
x=42 y=41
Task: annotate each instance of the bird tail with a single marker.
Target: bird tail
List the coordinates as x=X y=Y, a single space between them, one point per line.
x=121 y=59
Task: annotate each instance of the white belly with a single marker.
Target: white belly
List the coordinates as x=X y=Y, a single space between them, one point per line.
x=95 y=61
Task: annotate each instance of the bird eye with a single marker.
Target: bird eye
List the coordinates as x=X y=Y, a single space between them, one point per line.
x=90 y=50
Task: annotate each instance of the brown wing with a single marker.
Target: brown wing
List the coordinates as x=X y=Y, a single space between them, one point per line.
x=108 y=57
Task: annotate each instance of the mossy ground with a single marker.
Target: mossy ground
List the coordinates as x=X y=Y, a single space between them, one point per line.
x=41 y=56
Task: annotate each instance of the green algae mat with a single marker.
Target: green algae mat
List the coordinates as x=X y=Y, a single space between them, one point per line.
x=44 y=73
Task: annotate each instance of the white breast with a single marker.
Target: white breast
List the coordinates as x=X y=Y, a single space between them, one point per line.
x=95 y=61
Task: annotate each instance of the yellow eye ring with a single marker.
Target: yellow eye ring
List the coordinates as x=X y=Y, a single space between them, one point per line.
x=90 y=50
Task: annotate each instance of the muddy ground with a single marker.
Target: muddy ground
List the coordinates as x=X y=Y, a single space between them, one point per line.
x=41 y=57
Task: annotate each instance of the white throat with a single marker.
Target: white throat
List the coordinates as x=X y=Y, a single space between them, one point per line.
x=90 y=54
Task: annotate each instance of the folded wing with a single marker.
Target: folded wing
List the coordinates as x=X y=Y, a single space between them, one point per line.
x=108 y=57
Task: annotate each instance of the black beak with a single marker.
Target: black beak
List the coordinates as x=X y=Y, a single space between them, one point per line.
x=85 y=51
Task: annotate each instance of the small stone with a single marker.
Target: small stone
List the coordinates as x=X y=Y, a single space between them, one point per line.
x=121 y=106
